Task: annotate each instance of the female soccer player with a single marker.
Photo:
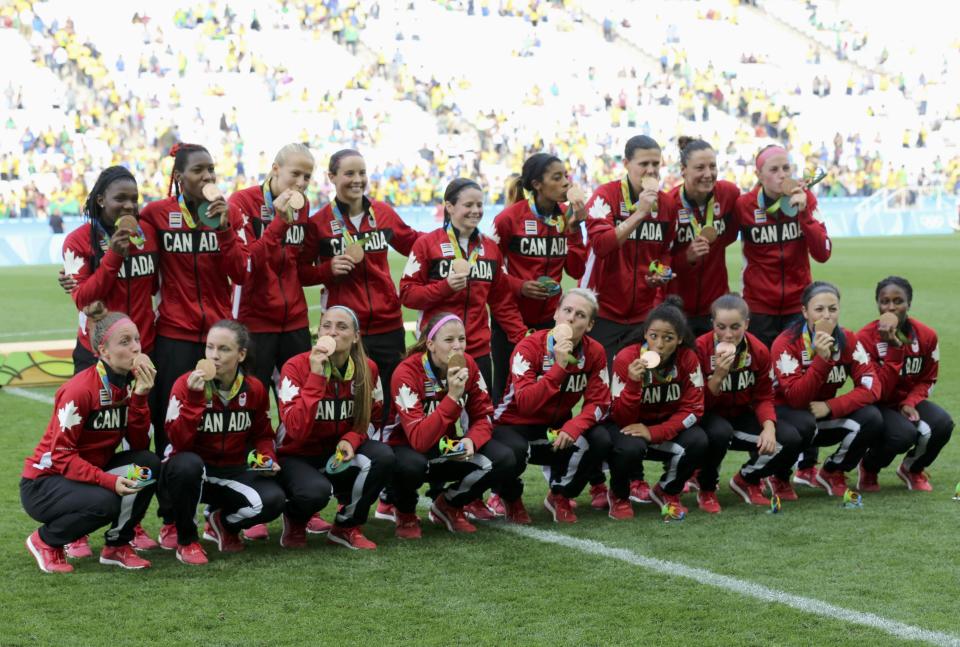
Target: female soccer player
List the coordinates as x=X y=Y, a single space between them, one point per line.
x=539 y=240
x=441 y=430
x=214 y=423
x=739 y=410
x=908 y=355
x=657 y=390
x=270 y=303
x=705 y=211
x=629 y=228
x=552 y=371
x=348 y=240
x=457 y=269
x=812 y=361
x=329 y=400
x=198 y=263
x=75 y=481
x=111 y=265
x=780 y=233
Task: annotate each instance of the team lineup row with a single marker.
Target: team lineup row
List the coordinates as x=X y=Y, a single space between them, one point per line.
x=661 y=401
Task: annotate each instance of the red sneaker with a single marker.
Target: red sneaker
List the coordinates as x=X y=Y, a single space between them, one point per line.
x=208 y=532
x=192 y=554
x=385 y=511
x=515 y=512
x=227 y=541
x=708 y=501
x=866 y=480
x=807 y=476
x=661 y=498
x=441 y=512
x=495 y=503
x=478 y=511
x=692 y=485
x=259 y=532
x=914 y=480
x=408 y=526
x=293 y=534
x=141 y=540
x=640 y=492
x=835 y=483
x=598 y=496
x=559 y=506
x=318 y=526
x=79 y=549
x=751 y=493
x=782 y=489
x=351 y=538
x=50 y=559
x=619 y=509
x=168 y=536
x=123 y=556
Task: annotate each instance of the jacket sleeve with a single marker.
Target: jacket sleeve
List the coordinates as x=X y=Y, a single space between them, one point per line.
x=815 y=232
x=927 y=378
x=138 y=422
x=503 y=305
x=576 y=261
x=479 y=409
x=601 y=231
x=266 y=249
x=311 y=269
x=233 y=249
x=417 y=290
x=98 y=284
x=799 y=387
x=299 y=394
x=183 y=415
x=72 y=406
x=531 y=388
x=404 y=236
x=262 y=431
x=503 y=235
x=866 y=385
x=689 y=408
x=422 y=431
x=627 y=393
x=596 y=399
x=888 y=370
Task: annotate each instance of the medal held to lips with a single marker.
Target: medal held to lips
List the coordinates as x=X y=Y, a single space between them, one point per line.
x=650 y=184
x=142 y=361
x=709 y=233
x=576 y=194
x=296 y=201
x=132 y=226
x=650 y=359
x=562 y=332
x=787 y=187
x=889 y=320
x=326 y=345
x=207 y=369
x=210 y=193
x=726 y=348
x=456 y=362
x=552 y=287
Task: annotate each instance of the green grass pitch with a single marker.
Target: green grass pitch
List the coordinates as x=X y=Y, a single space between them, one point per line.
x=895 y=558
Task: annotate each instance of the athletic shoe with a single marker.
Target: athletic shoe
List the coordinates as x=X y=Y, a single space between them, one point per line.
x=385 y=511
x=559 y=506
x=751 y=493
x=168 y=536
x=661 y=498
x=619 y=509
x=807 y=476
x=477 y=510
x=598 y=496
x=867 y=480
x=351 y=538
x=782 y=489
x=192 y=554
x=708 y=501
x=640 y=492
x=515 y=512
x=141 y=540
x=79 y=549
x=835 y=483
x=495 y=503
x=227 y=541
x=259 y=532
x=208 y=532
x=914 y=480
x=692 y=484
x=293 y=533
x=50 y=559
x=408 y=526
x=123 y=556
x=318 y=526
x=442 y=513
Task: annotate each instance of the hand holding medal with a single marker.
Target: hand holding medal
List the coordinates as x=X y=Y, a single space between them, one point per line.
x=288 y=204
x=658 y=273
x=459 y=274
x=457 y=375
x=577 y=200
x=887 y=327
x=205 y=371
x=144 y=374
x=725 y=354
x=823 y=343
x=127 y=229
x=213 y=212
x=562 y=343
x=341 y=459
x=322 y=349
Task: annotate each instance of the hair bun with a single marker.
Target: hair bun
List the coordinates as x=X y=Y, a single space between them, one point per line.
x=683 y=141
x=674 y=300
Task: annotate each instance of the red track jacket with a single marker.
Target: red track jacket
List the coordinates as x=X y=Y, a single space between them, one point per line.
x=907 y=373
x=746 y=389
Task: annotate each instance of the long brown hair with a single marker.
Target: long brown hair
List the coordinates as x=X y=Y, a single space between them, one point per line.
x=362 y=380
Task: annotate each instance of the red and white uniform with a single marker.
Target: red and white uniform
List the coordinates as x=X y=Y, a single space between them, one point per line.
x=422 y=413
x=424 y=287
x=800 y=379
x=907 y=373
x=617 y=273
x=701 y=284
x=271 y=298
x=196 y=269
x=86 y=428
x=220 y=433
x=541 y=391
x=369 y=289
x=777 y=251
x=316 y=412
x=666 y=406
x=531 y=248
x=745 y=388
x=122 y=284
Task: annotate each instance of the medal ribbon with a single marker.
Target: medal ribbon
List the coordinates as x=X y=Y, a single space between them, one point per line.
x=808 y=345
x=710 y=212
x=234 y=388
x=457 y=252
x=551 y=220
x=627 y=202
x=187 y=216
x=548 y=362
x=102 y=372
x=438 y=386
x=268 y=197
x=348 y=238
x=330 y=370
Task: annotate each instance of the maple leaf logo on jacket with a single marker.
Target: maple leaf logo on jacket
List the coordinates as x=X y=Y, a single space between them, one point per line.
x=605 y=377
x=617 y=387
x=71 y=263
x=787 y=364
x=696 y=378
x=936 y=353
x=520 y=365
x=378 y=391
x=599 y=209
x=67 y=415
x=412 y=266
x=860 y=355
x=406 y=398
x=288 y=390
x=173 y=410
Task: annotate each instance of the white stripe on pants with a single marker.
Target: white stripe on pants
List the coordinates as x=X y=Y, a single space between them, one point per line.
x=255 y=506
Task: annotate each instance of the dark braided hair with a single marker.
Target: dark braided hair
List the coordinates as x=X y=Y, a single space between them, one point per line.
x=180 y=152
x=93 y=210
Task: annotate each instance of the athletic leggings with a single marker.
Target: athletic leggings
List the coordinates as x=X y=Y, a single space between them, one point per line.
x=924 y=439
x=852 y=434
x=681 y=456
x=742 y=433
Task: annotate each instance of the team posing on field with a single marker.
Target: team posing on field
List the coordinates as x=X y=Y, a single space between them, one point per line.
x=664 y=363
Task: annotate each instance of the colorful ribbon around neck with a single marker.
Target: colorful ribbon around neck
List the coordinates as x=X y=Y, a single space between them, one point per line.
x=551 y=220
x=268 y=201
x=785 y=206
x=628 y=202
x=103 y=238
x=234 y=388
x=808 y=344
x=439 y=387
x=457 y=252
x=710 y=211
x=580 y=359
x=329 y=370
x=187 y=216
x=348 y=238
x=104 y=380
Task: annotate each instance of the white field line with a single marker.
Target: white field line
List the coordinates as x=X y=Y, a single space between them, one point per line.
x=27 y=333
x=29 y=395
x=732 y=584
